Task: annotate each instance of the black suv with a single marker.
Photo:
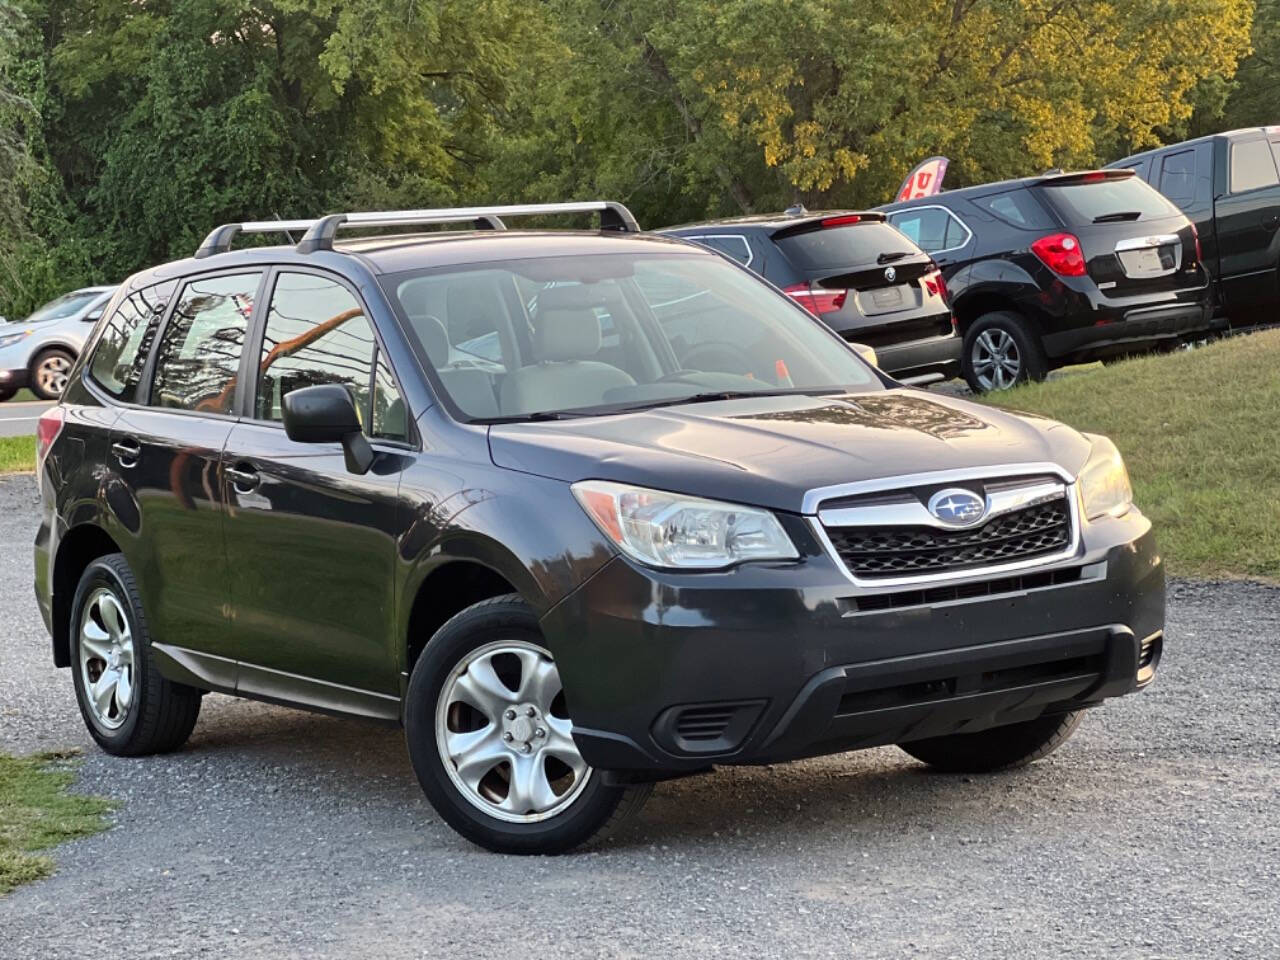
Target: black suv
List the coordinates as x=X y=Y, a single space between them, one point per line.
x=581 y=510
x=1228 y=184
x=864 y=280
x=1061 y=268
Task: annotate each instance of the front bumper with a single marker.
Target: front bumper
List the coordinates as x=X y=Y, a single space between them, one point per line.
x=13 y=379
x=666 y=673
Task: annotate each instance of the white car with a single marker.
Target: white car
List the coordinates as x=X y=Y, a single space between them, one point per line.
x=38 y=352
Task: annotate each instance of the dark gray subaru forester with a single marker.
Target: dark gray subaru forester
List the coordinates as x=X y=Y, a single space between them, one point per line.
x=581 y=510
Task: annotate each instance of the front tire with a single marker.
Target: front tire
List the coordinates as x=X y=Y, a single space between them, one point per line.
x=490 y=739
x=1000 y=748
x=128 y=707
x=49 y=371
x=1002 y=350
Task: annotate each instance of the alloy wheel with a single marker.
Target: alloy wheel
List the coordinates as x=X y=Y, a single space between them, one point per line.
x=51 y=374
x=996 y=360
x=106 y=659
x=504 y=735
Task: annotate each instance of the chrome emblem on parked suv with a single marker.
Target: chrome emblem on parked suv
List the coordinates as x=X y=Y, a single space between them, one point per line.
x=890 y=274
x=957 y=506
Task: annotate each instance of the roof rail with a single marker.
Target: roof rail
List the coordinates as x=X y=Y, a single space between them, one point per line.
x=320 y=232
x=613 y=216
x=220 y=238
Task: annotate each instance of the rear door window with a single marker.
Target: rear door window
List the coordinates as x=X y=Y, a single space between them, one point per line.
x=1080 y=203
x=838 y=248
x=198 y=360
x=1178 y=177
x=1252 y=166
x=317 y=332
x=932 y=229
x=122 y=350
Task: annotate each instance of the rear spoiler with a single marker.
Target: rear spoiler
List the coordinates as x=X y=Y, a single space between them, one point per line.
x=825 y=221
x=1087 y=176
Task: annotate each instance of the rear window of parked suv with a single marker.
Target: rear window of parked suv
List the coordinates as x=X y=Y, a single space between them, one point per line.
x=1103 y=201
x=855 y=244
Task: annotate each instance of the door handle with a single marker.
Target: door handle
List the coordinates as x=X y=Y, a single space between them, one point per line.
x=127 y=451
x=243 y=477
x=1271 y=222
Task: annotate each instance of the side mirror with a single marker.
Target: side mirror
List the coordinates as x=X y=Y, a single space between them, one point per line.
x=866 y=353
x=325 y=413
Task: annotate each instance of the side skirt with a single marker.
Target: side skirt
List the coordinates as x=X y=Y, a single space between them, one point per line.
x=252 y=682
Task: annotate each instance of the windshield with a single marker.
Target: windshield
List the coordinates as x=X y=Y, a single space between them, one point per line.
x=64 y=306
x=1103 y=200
x=598 y=334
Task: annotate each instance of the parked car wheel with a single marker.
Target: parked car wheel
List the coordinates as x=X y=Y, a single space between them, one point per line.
x=7 y=395
x=1000 y=748
x=129 y=708
x=49 y=372
x=1001 y=350
x=491 y=742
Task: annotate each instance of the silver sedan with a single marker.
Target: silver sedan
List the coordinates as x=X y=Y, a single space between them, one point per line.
x=38 y=352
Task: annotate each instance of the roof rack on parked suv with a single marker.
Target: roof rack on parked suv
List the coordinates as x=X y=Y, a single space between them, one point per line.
x=320 y=232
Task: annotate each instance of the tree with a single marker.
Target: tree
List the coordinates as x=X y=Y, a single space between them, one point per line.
x=750 y=104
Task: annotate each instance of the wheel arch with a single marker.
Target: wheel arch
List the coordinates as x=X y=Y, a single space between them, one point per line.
x=77 y=548
x=969 y=309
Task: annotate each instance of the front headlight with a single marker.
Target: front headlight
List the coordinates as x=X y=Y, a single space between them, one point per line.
x=1104 y=482
x=10 y=339
x=671 y=530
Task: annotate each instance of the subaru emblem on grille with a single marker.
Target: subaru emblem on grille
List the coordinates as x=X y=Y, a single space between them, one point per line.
x=890 y=274
x=957 y=506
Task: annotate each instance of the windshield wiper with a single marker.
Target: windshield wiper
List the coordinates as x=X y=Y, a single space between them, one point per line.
x=892 y=255
x=714 y=396
x=1118 y=216
x=538 y=416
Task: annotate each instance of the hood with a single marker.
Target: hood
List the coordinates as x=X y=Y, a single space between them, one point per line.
x=769 y=451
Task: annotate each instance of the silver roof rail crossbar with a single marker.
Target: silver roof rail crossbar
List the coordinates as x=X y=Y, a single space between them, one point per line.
x=320 y=232
x=220 y=238
x=613 y=216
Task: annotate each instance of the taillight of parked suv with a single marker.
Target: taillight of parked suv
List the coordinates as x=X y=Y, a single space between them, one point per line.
x=816 y=300
x=1060 y=252
x=47 y=429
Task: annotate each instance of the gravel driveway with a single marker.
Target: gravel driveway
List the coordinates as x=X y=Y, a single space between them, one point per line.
x=274 y=833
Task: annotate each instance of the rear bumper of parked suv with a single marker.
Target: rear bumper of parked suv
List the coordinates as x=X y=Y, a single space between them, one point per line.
x=667 y=673
x=1095 y=326
x=920 y=358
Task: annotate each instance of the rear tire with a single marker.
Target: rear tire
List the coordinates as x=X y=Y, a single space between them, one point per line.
x=7 y=394
x=490 y=740
x=49 y=370
x=128 y=707
x=1001 y=350
x=1000 y=748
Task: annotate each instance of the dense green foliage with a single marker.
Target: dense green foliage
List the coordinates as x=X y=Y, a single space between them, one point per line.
x=127 y=129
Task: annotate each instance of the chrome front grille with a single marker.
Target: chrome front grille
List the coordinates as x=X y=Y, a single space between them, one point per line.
x=888 y=537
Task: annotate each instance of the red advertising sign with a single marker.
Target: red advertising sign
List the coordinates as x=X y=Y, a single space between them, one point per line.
x=925 y=180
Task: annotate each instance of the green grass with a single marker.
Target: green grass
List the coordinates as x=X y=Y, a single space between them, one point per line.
x=23 y=396
x=37 y=812
x=1200 y=433
x=17 y=455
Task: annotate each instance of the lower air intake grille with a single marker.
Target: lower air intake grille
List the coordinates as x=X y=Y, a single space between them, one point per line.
x=706 y=728
x=1034 y=531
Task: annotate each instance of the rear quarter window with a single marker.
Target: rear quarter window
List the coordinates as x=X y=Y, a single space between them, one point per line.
x=1017 y=208
x=1080 y=204
x=838 y=248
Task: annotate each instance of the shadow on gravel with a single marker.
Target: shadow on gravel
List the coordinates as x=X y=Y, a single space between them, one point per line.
x=244 y=748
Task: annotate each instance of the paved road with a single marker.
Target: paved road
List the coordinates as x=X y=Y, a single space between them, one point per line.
x=1155 y=833
x=19 y=419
